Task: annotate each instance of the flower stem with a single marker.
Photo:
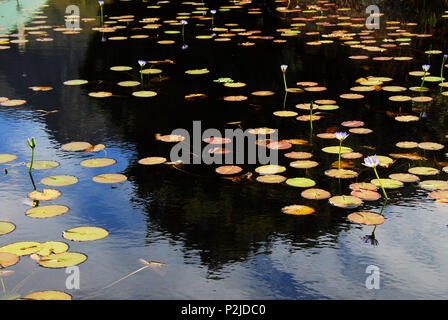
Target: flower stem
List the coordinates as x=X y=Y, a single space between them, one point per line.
x=311 y=115
x=339 y=160
x=32 y=160
x=379 y=180
x=101 y=15
x=284 y=81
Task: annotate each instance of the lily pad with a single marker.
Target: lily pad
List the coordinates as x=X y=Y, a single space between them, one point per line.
x=341 y=173
x=85 y=234
x=315 y=194
x=434 y=185
x=298 y=155
x=6 y=227
x=49 y=247
x=337 y=149
x=430 y=146
x=21 y=248
x=271 y=178
x=128 y=83
x=45 y=195
x=152 y=160
x=301 y=182
x=5 y=157
x=424 y=171
x=76 y=82
x=59 y=180
x=76 y=146
x=388 y=183
x=298 y=210
x=144 y=94
x=43 y=164
x=8 y=259
x=367 y=218
x=304 y=164
x=62 y=260
x=363 y=186
x=109 y=178
x=404 y=177
x=48 y=295
x=366 y=194
x=346 y=202
x=227 y=170
x=270 y=169
x=46 y=211
x=98 y=162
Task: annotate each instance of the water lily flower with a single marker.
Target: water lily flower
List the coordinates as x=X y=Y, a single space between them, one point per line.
x=212 y=11
x=373 y=162
x=184 y=21
x=283 y=67
x=341 y=136
x=426 y=67
x=32 y=144
x=100 y=3
x=141 y=63
x=185 y=46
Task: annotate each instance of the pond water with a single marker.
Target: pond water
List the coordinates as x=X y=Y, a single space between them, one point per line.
x=221 y=238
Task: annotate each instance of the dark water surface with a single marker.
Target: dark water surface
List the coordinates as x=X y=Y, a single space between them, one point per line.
x=220 y=239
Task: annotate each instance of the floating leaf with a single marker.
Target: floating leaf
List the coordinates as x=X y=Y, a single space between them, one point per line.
x=301 y=182
x=304 y=164
x=315 y=194
x=120 y=68
x=59 y=180
x=298 y=155
x=388 y=183
x=98 y=162
x=95 y=148
x=424 y=171
x=144 y=94
x=62 y=260
x=48 y=295
x=109 y=178
x=271 y=178
x=128 y=83
x=49 y=247
x=45 y=195
x=197 y=71
x=43 y=164
x=6 y=227
x=8 y=259
x=404 y=177
x=346 y=202
x=77 y=82
x=434 y=185
x=76 y=146
x=100 y=94
x=367 y=218
x=152 y=160
x=270 y=169
x=337 y=149
x=431 y=146
x=227 y=170
x=5 y=157
x=407 y=144
x=363 y=186
x=85 y=234
x=341 y=173
x=21 y=248
x=298 y=210
x=366 y=194
x=46 y=211
x=411 y=156
x=439 y=194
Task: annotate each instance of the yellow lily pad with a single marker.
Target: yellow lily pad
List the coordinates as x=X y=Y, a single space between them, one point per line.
x=59 y=180
x=76 y=146
x=62 y=260
x=48 y=295
x=46 y=211
x=298 y=210
x=346 y=202
x=341 y=173
x=270 y=169
x=434 y=185
x=43 y=164
x=367 y=218
x=98 y=162
x=424 y=171
x=197 y=71
x=301 y=182
x=5 y=157
x=45 y=195
x=109 y=178
x=152 y=160
x=76 y=82
x=85 y=234
x=8 y=259
x=271 y=178
x=336 y=149
x=144 y=94
x=49 y=247
x=387 y=183
x=128 y=83
x=6 y=227
x=21 y=248
x=120 y=68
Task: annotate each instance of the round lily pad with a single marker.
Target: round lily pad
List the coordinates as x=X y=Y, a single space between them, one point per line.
x=366 y=194
x=5 y=157
x=404 y=177
x=424 y=171
x=76 y=82
x=363 y=186
x=227 y=170
x=367 y=218
x=407 y=144
x=62 y=260
x=315 y=194
x=270 y=169
x=301 y=182
x=346 y=202
x=85 y=234
x=8 y=259
x=49 y=247
x=285 y=113
x=434 y=185
x=46 y=211
x=45 y=195
x=98 y=162
x=128 y=83
x=279 y=145
x=120 y=68
x=6 y=227
x=48 y=295
x=341 y=173
x=43 y=164
x=144 y=94
x=388 y=183
x=431 y=146
x=76 y=146
x=152 y=160
x=100 y=94
x=197 y=71
x=406 y=118
x=271 y=178
x=439 y=194
x=59 y=180
x=298 y=210
x=109 y=178
x=298 y=155
x=336 y=149
x=21 y=248
x=304 y=164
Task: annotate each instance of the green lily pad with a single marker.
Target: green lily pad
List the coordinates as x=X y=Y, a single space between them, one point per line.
x=336 y=149
x=434 y=185
x=43 y=164
x=301 y=182
x=424 y=171
x=62 y=260
x=388 y=183
x=46 y=211
x=346 y=202
x=6 y=227
x=21 y=248
x=59 y=180
x=85 y=234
